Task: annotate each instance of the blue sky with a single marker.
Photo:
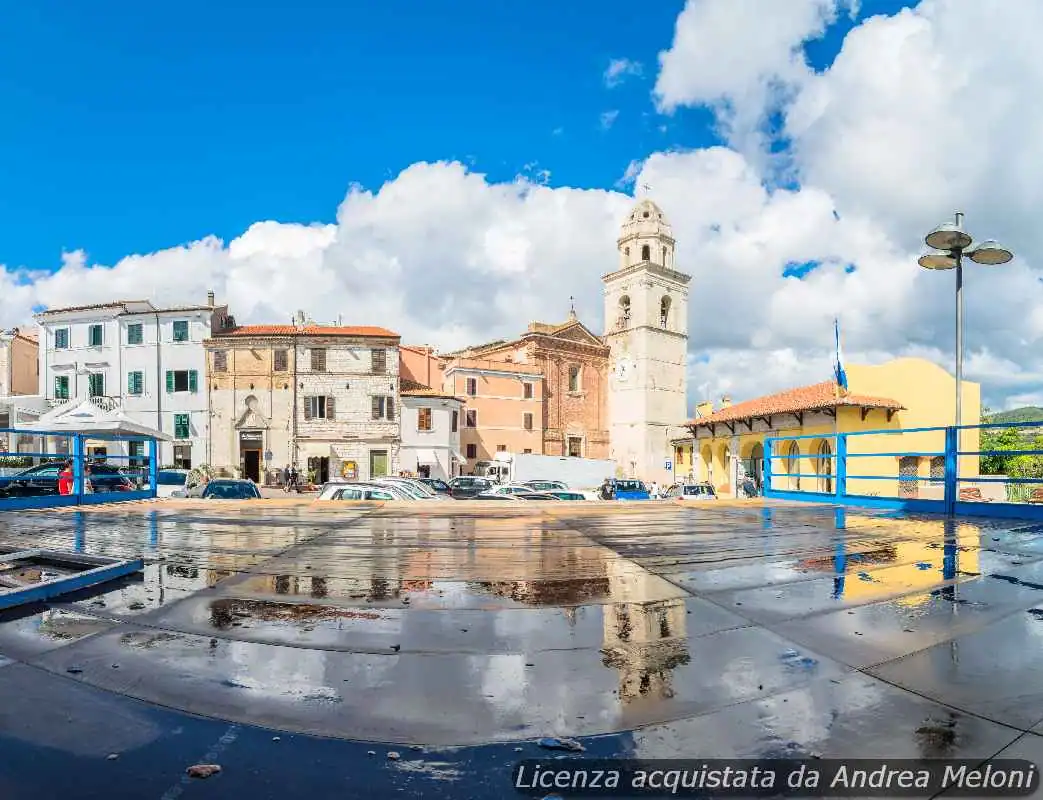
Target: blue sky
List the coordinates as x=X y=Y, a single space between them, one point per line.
x=132 y=127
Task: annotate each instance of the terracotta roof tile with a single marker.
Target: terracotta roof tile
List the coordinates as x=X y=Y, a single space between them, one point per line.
x=309 y=330
x=803 y=398
x=411 y=388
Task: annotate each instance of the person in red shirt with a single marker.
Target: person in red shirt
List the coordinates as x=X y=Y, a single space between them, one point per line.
x=65 y=479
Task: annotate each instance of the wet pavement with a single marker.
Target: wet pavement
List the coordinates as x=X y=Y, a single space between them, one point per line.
x=284 y=641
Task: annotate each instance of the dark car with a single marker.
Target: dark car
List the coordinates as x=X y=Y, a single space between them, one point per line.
x=468 y=486
x=227 y=489
x=435 y=485
x=43 y=480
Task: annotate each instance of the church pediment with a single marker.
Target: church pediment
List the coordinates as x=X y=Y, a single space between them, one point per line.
x=576 y=332
x=252 y=419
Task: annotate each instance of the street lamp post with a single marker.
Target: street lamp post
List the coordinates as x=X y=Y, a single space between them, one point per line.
x=952 y=244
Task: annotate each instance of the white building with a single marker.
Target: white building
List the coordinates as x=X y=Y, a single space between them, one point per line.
x=431 y=421
x=147 y=361
x=646 y=327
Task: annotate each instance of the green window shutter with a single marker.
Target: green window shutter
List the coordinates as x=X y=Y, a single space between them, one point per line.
x=131 y=376
x=193 y=381
x=170 y=381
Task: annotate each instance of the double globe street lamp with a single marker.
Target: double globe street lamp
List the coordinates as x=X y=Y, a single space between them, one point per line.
x=954 y=243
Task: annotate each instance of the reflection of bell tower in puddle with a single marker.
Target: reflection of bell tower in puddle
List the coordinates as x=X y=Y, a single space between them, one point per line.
x=645 y=634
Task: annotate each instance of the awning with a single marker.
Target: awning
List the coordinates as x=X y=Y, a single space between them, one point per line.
x=426 y=456
x=459 y=457
x=86 y=418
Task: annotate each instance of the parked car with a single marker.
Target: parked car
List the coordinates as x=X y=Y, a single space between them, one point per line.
x=333 y=490
x=363 y=492
x=228 y=489
x=465 y=487
x=535 y=496
x=546 y=486
x=566 y=495
x=43 y=480
x=436 y=485
x=510 y=489
x=418 y=490
x=692 y=491
x=628 y=489
x=172 y=483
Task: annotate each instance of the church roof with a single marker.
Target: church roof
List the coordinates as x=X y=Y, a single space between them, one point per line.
x=816 y=397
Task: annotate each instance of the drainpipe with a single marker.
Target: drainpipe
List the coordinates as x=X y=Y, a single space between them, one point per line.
x=293 y=435
x=160 y=384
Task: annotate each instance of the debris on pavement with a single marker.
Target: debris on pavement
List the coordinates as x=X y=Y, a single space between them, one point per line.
x=393 y=756
x=203 y=771
x=554 y=743
x=112 y=756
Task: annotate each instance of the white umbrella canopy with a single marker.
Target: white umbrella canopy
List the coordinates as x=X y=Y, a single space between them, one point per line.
x=87 y=418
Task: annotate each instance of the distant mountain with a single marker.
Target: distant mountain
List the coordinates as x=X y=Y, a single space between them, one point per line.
x=1024 y=414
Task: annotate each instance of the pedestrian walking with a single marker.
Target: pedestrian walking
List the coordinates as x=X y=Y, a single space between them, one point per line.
x=607 y=490
x=65 y=479
x=654 y=491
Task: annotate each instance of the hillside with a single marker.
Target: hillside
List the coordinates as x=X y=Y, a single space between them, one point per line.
x=1024 y=414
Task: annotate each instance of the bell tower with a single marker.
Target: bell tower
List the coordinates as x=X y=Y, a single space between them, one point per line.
x=646 y=328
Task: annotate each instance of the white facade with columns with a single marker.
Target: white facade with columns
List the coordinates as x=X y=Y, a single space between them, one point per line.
x=646 y=328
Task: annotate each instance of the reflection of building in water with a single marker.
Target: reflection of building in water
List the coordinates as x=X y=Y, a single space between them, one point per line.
x=366 y=566
x=912 y=567
x=547 y=571
x=645 y=639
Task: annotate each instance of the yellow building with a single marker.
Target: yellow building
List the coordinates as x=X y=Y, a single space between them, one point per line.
x=899 y=396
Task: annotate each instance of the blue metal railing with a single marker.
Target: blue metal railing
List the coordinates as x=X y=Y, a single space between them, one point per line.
x=20 y=490
x=834 y=483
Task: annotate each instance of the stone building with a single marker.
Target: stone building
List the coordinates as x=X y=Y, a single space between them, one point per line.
x=324 y=398
x=19 y=363
x=646 y=328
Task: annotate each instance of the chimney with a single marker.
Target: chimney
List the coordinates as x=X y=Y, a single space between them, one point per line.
x=704 y=409
x=726 y=401
x=211 y=298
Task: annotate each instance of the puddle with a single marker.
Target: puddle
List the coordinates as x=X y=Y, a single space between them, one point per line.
x=36 y=629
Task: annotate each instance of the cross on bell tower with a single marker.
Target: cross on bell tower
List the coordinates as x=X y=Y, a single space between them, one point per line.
x=572 y=308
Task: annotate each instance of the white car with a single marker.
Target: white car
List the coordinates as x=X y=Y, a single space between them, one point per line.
x=508 y=488
x=363 y=492
x=346 y=490
x=420 y=491
x=697 y=492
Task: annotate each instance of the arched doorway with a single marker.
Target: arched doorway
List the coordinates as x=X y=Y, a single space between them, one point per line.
x=707 y=465
x=753 y=463
x=824 y=467
x=793 y=466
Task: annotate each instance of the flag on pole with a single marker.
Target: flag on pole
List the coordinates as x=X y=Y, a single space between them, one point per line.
x=838 y=360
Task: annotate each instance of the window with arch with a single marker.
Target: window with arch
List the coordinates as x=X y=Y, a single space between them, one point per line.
x=664 y=312
x=664 y=256
x=626 y=252
x=646 y=253
x=574 y=377
x=793 y=465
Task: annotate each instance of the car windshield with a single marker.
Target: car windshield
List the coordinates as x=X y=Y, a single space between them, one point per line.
x=230 y=491
x=697 y=490
x=630 y=486
x=407 y=489
x=171 y=478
